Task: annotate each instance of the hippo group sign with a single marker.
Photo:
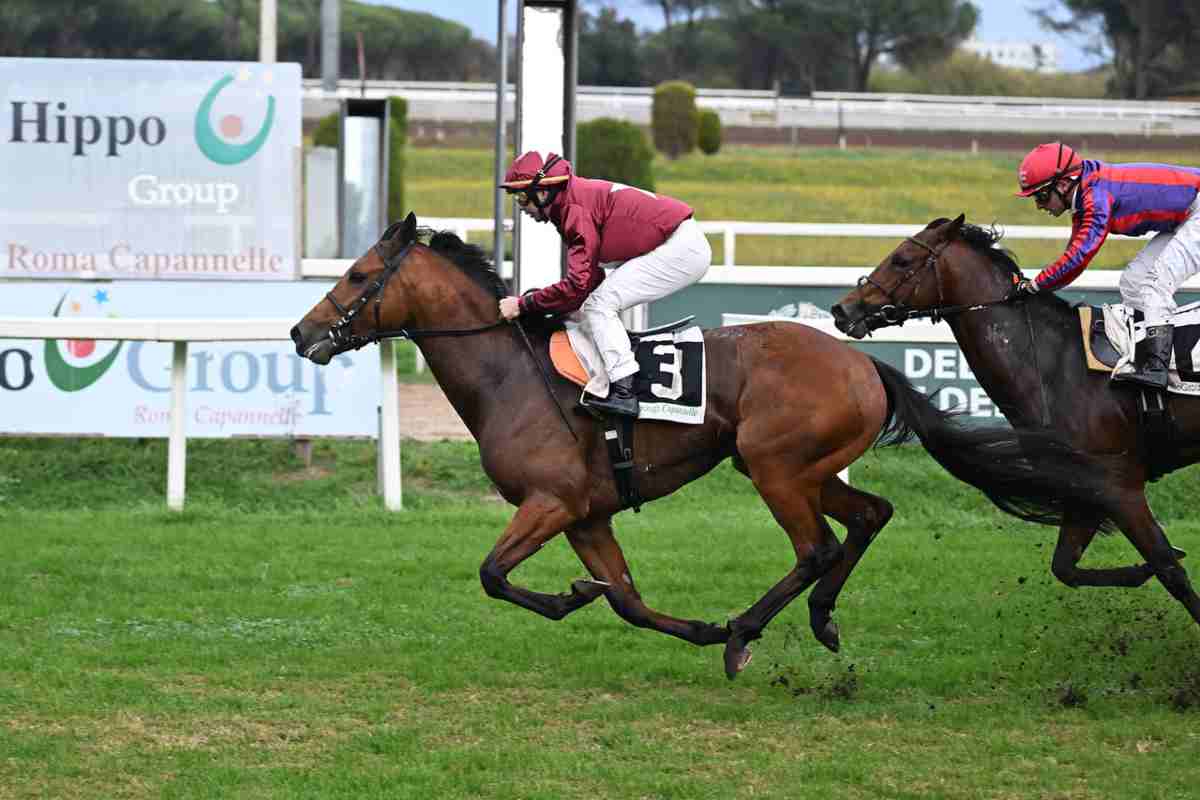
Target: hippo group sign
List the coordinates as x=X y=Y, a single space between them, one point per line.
x=84 y=387
x=148 y=169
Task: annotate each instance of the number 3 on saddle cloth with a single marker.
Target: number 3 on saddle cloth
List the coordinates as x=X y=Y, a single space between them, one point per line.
x=670 y=379
x=1110 y=333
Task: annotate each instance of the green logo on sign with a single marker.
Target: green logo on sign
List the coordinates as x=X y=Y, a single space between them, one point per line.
x=69 y=378
x=216 y=148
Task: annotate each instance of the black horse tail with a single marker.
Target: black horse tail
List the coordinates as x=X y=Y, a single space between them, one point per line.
x=1033 y=475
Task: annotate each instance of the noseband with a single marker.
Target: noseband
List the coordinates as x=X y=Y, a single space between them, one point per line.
x=341 y=334
x=897 y=313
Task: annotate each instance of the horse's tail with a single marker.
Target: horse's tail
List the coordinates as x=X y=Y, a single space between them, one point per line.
x=1033 y=475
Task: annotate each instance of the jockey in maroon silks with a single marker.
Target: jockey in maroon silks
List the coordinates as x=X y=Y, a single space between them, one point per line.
x=652 y=239
x=1129 y=199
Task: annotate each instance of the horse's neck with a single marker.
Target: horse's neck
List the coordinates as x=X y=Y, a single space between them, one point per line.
x=474 y=372
x=1016 y=352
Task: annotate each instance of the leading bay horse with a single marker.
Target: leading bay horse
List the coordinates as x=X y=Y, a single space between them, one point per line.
x=790 y=405
x=1027 y=353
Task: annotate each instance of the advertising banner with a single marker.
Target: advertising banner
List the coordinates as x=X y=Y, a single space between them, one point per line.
x=85 y=387
x=148 y=169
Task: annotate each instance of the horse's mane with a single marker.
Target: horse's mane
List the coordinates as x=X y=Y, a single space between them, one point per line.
x=468 y=257
x=985 y=241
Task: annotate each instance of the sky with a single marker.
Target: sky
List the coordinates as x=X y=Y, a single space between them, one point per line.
x=1000 y=20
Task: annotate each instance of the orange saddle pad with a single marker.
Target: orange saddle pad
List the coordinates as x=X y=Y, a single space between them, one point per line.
x=564 y=359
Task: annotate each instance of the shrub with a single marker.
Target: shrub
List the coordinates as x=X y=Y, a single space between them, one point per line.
x=708 y=136
x=326 y=135
x=614 y=150
x=674 y=119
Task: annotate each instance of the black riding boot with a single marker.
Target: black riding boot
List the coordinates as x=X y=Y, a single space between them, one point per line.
x=1152 y=359
x=620 y=400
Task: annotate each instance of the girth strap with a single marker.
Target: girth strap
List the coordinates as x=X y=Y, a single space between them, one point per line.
x=618 y=435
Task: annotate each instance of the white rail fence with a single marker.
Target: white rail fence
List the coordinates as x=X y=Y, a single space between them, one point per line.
x=476 y=102
x=183 y=331
x=728 y=230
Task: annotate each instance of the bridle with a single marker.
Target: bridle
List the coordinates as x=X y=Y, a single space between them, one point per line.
x=341 y=334
x=344 y=339
x=897 y=313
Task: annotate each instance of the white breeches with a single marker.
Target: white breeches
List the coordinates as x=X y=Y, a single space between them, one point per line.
x=1149 y=282
x=678 y=262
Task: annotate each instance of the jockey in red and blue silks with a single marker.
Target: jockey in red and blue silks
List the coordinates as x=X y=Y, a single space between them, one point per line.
x=1129 y=199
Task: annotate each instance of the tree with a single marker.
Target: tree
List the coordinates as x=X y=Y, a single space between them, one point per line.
x=609 y=50
x=913 y=32
x=1152 y=42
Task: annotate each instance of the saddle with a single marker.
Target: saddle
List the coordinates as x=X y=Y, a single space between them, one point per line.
x=1111 y=332
x=670 y=378
x=668 y=353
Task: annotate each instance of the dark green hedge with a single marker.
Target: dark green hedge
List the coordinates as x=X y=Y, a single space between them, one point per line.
x=708 y=136
x=614 y=150
x=674 y=119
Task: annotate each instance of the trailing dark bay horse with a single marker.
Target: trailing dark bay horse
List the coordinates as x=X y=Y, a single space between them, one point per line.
x=790 y=405
x=1028 y=356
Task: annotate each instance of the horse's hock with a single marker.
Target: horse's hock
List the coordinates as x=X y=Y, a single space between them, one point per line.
x=426 y=414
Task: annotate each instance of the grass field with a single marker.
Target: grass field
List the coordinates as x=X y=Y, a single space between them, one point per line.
x=780 y=184
x=284 y=638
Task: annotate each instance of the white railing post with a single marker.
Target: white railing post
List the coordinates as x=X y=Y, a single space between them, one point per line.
x=729 y=245
x=389 y=427
x=177 y=442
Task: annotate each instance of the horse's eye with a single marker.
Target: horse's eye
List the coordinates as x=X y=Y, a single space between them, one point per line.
x=899 y=263
x=356 y=277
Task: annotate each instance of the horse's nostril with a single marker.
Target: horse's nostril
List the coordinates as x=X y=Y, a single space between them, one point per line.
x=838 y=312
x=296 y=334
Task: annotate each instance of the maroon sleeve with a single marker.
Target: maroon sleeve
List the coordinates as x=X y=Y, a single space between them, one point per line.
x=583 y=267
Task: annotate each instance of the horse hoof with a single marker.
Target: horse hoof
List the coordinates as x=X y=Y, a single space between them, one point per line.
x=736 y=659
x=830 y=637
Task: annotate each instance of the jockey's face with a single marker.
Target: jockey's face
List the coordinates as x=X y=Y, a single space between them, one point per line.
x=1055 y=198
x=528 y=206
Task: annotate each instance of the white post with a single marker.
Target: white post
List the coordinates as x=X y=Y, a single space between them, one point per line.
x=177 y=443
x=266 y=32
x=389 y=427
x=729 y=245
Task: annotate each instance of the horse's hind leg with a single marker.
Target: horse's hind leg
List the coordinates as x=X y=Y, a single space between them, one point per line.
x=1074 y=537
x=817 y=549
x=537 y=521
x=864 y=515
x=597 y=548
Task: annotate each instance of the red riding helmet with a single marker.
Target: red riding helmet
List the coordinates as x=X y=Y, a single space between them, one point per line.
x=1044 y=164
x=530 y=171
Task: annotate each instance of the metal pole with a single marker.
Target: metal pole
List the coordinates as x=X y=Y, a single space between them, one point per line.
x=266 y=32
x=331 y=37
x=501 y=91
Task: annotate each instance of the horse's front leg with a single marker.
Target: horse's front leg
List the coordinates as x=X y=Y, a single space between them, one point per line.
x=864 y=515
x=597 y=548
x=538 y=520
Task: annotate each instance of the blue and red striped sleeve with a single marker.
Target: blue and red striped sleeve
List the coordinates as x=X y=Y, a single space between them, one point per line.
x=1087 y=235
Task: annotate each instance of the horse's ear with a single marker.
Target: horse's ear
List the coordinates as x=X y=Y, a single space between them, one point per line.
x=408 y=233
x=950 y=230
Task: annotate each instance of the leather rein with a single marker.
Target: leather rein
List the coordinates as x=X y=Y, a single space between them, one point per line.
x=344 y=338
x=896 y=313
